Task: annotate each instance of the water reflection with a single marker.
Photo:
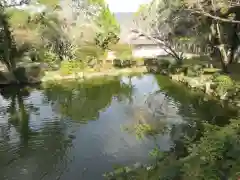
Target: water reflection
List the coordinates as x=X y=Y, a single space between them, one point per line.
x=18 y=112
x=24 y=150
x=50 y=133
x=203 y=143
x=84 y=101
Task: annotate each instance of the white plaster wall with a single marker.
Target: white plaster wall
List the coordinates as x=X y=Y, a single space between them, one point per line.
x=143 y=52
x=111 y=55
x=148 y=52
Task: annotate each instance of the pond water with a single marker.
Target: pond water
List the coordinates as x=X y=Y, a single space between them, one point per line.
x=73 y=130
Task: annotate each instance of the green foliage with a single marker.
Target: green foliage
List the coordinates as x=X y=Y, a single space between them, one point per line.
x=50 y=58
x=18 y=17
x=194 y=70
x=103 y=40
x=205 y=146
x=106 y=20
x=139 y=61
x=176 y=69
x=83 y=101
x=142 y=130
x=164 y=64
x=90 y=55
x=215 y=153
x=8 y=48
x=122 y=51
x=50 y=4
x=71 y=66
x=210 y=70
x=97 y=2
x=124 y=55
x=224 y=84
x=109 y=29
x=224 y=81
x=156 y=153
x=45 y=36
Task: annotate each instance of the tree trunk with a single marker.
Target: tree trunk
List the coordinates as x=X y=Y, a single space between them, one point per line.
x=234 y=44
x=231 y=55
x=222 y=50
x=223 y=58
x=8 y=43
x=178 y=57
x=24 y=119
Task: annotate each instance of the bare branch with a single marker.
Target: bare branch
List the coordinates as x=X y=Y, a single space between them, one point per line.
x=215 y=17
x=7 y=4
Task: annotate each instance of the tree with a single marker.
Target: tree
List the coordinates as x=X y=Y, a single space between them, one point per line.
x=211 y=21
x=57 y=32
x=108 y=28
x=54 y=31
x=160 y=21
x=8 y=45
x=222 y=17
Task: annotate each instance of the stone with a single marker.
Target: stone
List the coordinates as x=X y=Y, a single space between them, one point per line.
x=177 y=77
x=30 y=73
x=164 y=72
x=208 y=89
x=193 y=83
x=224 y=96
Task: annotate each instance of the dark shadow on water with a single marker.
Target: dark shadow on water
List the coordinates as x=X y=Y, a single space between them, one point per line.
x=20 y=143
x=18 y=111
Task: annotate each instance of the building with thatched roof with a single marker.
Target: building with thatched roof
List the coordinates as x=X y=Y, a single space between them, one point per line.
x=141 y=46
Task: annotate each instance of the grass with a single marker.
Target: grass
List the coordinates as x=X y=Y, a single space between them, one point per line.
x=90 y=73
x=211 y=70
x=197 y=60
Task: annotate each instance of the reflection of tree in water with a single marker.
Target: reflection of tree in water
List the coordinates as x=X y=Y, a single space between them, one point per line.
x=207 y=146
x=35 y=147
x=195 y=108
x=144 y=124
x=18 y=111
x=192 y=104
x=84 y=101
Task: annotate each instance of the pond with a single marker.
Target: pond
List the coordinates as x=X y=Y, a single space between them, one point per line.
x=80 y=130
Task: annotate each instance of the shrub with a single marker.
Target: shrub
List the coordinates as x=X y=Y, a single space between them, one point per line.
x=50 y=58
x=194 y=70
x=164 y=64
x=35 y=71
x=175 y=69
x=88 y=52
x=122 y=51
x=71 y=66
x=223 y=84
x=138 y=61
x=124 y=55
